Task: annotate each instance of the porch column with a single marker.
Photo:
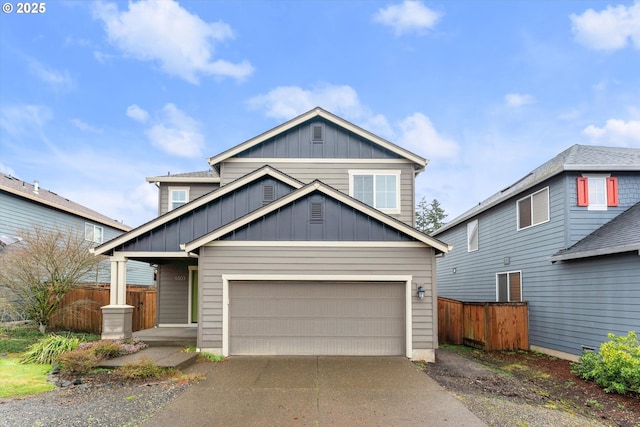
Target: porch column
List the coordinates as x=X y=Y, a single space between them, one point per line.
x=117 y=316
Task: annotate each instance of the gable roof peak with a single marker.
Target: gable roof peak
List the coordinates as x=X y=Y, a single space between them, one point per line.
x=419 y=161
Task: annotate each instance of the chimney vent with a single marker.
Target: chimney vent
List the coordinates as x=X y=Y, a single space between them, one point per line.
x=36 y=186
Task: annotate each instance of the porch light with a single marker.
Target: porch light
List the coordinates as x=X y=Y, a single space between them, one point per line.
x=420 y=292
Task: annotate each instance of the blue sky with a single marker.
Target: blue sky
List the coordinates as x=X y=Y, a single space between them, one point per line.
x=96 y=96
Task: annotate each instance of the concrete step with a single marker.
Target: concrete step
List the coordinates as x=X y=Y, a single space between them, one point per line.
x=165 y=357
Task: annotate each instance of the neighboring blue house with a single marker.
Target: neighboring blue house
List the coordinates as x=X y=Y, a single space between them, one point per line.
x=24 y=205
x=566 y=239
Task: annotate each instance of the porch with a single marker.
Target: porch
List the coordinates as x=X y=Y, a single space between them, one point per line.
x=168 y=336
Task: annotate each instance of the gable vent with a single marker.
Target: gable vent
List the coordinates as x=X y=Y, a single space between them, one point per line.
x=268 y=194
x=317 y=133
x=316 y=214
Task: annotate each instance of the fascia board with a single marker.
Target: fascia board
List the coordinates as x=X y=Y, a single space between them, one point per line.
x=333 y=193
x=596 y=252
x=171 y=215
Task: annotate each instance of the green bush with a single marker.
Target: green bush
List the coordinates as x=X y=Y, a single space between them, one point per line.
x=48 y=349
x=106 y=349
x=616 y=367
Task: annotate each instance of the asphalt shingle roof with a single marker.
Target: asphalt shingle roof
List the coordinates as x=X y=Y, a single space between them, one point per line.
x=575 y=158
x=25 y=190
x=621 y=234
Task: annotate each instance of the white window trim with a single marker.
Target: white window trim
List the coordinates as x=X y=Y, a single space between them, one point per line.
x=397 y=173
x=470 y=235
x=530 y=196
x=508 y=285
x=590 y=178
x=170 y=199
x=93 y=232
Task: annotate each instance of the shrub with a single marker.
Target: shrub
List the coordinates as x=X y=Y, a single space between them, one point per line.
x=142 y=369
x=616 y=367
x=106 y=349
x=48 y=349
x=78 y=362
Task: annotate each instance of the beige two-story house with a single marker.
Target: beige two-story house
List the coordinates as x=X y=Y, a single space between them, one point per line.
x=299 y=241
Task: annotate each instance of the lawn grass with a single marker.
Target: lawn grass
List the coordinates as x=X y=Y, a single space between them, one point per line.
x=17 y=339
x=17 y=379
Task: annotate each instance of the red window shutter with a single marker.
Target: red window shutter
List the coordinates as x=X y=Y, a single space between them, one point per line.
x=612 y=191
x=583 y=191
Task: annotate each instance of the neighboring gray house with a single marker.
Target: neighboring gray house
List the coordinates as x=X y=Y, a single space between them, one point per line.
x=24 y=206
x=299 y=241
x=566 y=239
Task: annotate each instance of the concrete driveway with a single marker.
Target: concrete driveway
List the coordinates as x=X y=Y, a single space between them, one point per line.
x=315 y=391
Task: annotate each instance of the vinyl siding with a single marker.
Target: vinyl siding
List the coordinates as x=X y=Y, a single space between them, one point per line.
x=195 y=191
x=335 y=175
x=216 y=261
x=583 y=221
x=571 y=304
x=17 y=214
x=173 y=293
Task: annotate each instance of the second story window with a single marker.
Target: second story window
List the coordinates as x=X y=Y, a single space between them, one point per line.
x=533 y=209
x=472 y=236
x=93 y=233
x=380 y=189
x=178 y=197
x=597 y=192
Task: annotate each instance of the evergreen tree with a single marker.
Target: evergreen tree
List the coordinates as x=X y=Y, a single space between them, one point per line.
x=429 y=216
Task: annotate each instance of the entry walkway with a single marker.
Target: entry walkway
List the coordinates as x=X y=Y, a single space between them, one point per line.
x=315 y=391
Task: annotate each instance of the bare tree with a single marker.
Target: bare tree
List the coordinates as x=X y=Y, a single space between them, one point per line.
x=42 y=268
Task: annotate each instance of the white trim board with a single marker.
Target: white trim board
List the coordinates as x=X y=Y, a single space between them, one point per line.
x=226 y=278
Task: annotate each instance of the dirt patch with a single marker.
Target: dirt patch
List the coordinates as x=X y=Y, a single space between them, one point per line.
x=530 y=378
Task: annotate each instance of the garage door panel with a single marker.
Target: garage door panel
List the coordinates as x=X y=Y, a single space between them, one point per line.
x=322 y=318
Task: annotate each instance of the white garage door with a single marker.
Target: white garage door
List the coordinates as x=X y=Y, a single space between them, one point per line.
x=317 y=318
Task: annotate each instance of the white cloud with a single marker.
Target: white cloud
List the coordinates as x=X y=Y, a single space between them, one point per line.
x=84 y=126
x=420 y=136
x=408 y=16
x=164 y=32
x=616 y=132
x=286 y=102
x=54 y=78
x=177 y=133
x=609 y=29
x=518 y=99
x=136 y=113
x=24 y=119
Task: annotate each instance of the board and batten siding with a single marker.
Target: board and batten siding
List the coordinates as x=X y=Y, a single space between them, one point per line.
x=195 y=191
x=333 y=174
x=18 y=214
x=216 y=261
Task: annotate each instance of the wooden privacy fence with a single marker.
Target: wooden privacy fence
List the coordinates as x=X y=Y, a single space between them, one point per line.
x=80 y=308
x=485 y=325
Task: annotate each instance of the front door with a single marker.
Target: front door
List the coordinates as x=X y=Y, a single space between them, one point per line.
x=193 y=295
